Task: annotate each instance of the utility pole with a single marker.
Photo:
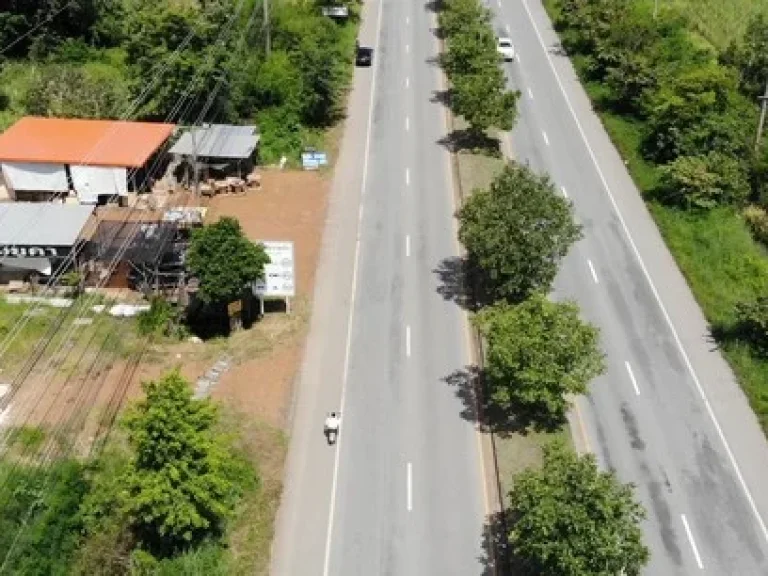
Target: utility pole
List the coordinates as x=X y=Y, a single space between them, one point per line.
x=763 y=105
x=196 y=175
x=268 y=46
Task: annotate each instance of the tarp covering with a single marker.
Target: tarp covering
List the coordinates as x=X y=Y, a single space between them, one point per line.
x=36 y=177
x=92 y=181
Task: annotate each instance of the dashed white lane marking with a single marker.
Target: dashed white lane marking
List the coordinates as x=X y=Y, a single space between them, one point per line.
x=407 y=81
x=509 y=32
x=546 y=139
x=409 y=482
x=407 y=48
x=407 y=177
x=731 y=457
x=408 y=245
x=408 y=341
x=592 y=270
x=692 y=541
x=530 y=93
x=632 y=377
x=407 y=124
x=564 y=191
x=407 y=19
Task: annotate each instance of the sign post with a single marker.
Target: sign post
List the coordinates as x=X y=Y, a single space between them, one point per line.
x=279 y=275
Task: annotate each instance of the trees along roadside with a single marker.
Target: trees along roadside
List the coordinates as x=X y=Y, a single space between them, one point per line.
x=538 y=353
x=570 y=519
x=516 y=233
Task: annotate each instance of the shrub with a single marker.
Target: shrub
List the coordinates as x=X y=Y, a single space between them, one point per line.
x=156 y=320
x=757 y=219
x=752 y=318
x=703 y=182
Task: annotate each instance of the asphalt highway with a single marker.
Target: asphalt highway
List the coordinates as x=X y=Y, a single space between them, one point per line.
x=668 y=414
x=402 y=491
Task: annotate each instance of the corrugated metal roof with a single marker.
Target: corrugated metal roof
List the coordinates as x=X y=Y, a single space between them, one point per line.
x=89 y=142
x=41 y=223
x=218 y=141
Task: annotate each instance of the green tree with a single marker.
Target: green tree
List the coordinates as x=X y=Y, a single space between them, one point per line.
x=571 y=519
x=539 y=352
x=696 y=112
x=749 y=55
x=179 y=487
x=705 y=181
x=66 y=91
x=516 y=232
x=457 y=15
x=224 y=261
x=483 y=101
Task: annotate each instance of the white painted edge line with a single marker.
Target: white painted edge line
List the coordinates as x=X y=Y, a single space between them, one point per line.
x=592 y=270
x=647 y=275
x=407 y=124
x=692 y=541
x=407 y=245
x=632 y=377
x=564 y=191
x=409 y=483
x=407 y=177
x=530 y=93
x=546 y=139
x=350 y=318
x=408 y=341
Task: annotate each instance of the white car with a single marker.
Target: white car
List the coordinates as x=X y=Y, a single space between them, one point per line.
x=505 y=48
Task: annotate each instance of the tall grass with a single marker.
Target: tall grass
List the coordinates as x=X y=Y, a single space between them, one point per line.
x=720 y=21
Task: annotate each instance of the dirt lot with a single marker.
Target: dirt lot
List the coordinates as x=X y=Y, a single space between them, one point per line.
x=289 y=206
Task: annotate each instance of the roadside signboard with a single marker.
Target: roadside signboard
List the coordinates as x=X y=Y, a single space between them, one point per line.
x=279 y=274
x=312 y=160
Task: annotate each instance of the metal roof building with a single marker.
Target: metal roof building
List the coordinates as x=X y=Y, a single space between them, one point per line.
x=54 y=155
x=218 y=141
x=41 y=230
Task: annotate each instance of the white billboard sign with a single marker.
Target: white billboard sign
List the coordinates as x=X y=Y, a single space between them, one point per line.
x=279 y=276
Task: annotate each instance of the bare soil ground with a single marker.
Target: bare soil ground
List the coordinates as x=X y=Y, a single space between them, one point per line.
x=265 y=358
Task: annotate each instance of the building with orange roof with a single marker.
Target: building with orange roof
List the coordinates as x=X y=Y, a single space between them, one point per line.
x=43 y=158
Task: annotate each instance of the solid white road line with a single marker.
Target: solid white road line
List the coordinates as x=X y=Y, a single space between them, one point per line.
x=350 y=318
x=407 y=177
x=409 y=482
x=632 y=377
x=667 y=318
x=692 y=541
x=592 y=270
x=408 y=341
x=564 y=191
x=407 y=124
x=530 y=93
x=408 y=245
x=546 y=140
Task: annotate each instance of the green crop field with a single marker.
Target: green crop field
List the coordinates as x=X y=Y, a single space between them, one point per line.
x=720 y=21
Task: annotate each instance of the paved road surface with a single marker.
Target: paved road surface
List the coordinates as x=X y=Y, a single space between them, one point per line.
x=407 y=494
x=647 y=417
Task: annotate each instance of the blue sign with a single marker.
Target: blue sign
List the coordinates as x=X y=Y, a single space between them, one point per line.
x=313 y=160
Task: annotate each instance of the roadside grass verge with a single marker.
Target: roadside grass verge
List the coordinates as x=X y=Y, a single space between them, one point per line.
x=715 y=251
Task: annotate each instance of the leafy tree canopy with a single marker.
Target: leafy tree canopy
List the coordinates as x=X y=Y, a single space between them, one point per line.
x=538 y=353
x=696 y=112
x=705 y=181
x=224 y=261
x=517 y=232
x=179 y=488
x=570 y=519
x=749 y=56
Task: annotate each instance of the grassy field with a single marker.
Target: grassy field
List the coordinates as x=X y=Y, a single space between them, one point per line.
x=720 y=21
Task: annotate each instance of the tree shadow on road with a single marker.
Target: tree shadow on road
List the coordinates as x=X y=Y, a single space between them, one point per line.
x=496 y=558
x=466 y=140
x=480 y=407
x=454 y=284
x=432 y=6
